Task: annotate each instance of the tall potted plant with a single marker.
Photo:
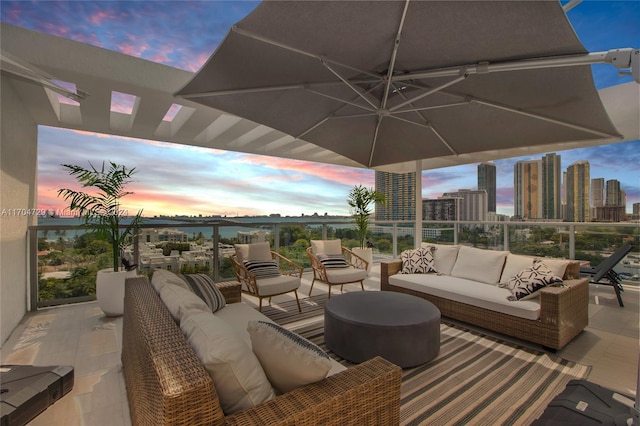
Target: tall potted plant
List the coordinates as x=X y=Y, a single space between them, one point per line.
x=102 y=213
x=360 y=201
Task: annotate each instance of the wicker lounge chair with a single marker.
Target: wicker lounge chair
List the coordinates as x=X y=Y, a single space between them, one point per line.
x=259 y=279
x=352 y=272
x=604 y=271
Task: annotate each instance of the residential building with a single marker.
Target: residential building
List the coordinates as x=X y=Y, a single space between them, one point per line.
x=487 y=181
x=251 y=237
x=473 y=204
x=440 y=209
x=400 y=192
x=551 y=186
x=578 y=190
x=597 y=196
x=613 y=195
x=527 y=189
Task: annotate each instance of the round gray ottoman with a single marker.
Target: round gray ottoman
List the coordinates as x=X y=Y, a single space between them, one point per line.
x=401 y=328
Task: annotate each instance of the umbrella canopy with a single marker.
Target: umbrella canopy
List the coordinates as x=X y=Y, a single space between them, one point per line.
x=386 y=82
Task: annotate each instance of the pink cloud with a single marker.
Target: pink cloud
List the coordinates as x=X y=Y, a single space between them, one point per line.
x=98 y=17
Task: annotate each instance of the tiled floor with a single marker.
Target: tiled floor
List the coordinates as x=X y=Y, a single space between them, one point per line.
x=81 y=336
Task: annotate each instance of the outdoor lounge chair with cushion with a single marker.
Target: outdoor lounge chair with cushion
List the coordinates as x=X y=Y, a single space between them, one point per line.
x=335 y=265
x=265 y=273
x=604 y=271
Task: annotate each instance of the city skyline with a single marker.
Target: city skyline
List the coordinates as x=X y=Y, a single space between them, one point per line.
x=175 y=180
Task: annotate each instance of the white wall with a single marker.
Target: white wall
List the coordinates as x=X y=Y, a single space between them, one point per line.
x=18 y=164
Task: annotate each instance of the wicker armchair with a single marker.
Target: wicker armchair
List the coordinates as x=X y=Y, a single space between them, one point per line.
x=355 y=271
x=260 y=286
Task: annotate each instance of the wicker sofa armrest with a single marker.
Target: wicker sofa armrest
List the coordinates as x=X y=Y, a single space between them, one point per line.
x=366 y=394
x=567 y=303
x=388 y=268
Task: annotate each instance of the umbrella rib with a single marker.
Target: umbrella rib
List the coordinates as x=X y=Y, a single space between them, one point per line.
x=263 y=39
x=394 y=54
x=335 y=98
x=348 y=83
x=426 y=108
x=544 y=118
x=332 y=115
x=430 y=92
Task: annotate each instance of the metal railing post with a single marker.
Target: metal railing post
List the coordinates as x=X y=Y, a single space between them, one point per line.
x=276 y=238
x=216 y=253
x=572 y=242
x=394 y=239
x=505 y=237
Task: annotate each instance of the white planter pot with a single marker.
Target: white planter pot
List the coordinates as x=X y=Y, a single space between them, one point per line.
x=110 y=291
x=365 y=253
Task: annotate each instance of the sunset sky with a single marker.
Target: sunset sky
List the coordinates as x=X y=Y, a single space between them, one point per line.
x=175 y=179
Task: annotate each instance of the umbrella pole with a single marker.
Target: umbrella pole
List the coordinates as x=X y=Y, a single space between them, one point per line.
x=418 y=234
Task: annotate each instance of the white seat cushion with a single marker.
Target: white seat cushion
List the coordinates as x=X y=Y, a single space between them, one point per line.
x=346 y=275
x=470 y=292
x=237 y=375
x=479 y=265
x=277 y=285
x=326 y=246
x=557 y=266
x=255 y=251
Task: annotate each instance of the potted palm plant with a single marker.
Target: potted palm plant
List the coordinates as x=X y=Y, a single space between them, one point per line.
x=360 y=201
x=102 y=213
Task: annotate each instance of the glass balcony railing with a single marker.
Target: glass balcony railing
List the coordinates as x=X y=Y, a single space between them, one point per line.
x=64 y=259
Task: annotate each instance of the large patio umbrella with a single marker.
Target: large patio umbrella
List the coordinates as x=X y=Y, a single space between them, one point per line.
x=385 y=82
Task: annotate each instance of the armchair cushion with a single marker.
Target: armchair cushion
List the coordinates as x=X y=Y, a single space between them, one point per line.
x=262 y=268
x=277 y=285
x=346 y=275
x=288 y=360
x=326 y=246
x=255 y=251
x=332 y=260
x=479 y=265
x=444 y=257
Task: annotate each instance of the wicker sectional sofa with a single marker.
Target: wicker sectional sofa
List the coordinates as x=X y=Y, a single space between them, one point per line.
x=470 y=293
x=167 y=383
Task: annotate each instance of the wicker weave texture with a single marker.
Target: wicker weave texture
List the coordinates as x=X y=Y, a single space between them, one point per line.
x=563 y=311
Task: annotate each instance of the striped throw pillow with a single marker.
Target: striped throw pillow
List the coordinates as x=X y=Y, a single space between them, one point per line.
x=262 y=268
x=204 y=287
x=332 y=260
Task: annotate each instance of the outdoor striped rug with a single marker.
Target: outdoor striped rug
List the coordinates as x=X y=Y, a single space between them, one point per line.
x=475 y=380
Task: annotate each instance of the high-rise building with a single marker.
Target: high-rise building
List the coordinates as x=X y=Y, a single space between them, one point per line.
x=527 y=189
x=614 y=194
x=400 y=192
x=487 y=181
x=473 y=204
x=440 y=209
x=597 y=192
x=597 y=197
x=578 y=190
x=551 y=186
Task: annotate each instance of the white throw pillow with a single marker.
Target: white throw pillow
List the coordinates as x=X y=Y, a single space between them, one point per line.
x=514 y=264
x=527 y=282
x=255 y=251
x=444 y=257
x=239 y=379
x=288 y=360
x=557 y=266
x=326 y=246
x=180 y=301
x=479 y=265
x=418 y=261
x=160 y=278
